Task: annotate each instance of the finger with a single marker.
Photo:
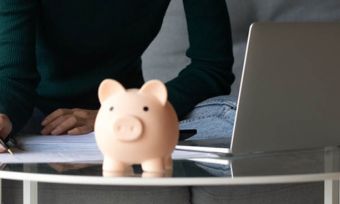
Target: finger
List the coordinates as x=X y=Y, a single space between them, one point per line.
x=51 y=117
x=81 y=113
x=53 y=124
x=2 y=149
x=5 y=126
x=68 y=124
x=4 y=131
x=80 y=130
x=1 y=129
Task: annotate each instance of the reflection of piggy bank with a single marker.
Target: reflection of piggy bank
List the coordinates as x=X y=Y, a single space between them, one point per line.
x=136 y=127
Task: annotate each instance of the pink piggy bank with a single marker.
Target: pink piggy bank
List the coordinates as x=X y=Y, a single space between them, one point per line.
x=136 y=127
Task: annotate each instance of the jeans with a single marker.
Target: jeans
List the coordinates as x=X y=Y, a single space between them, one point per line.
x=213 y=119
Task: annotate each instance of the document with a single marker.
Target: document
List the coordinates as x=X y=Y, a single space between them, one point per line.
x=69 y=148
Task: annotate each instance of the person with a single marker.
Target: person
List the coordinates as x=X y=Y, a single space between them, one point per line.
x=53 y=55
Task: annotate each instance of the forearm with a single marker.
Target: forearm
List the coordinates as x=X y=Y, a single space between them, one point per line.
x=210 y=71
x=18 y=77
x=16 y=102
x=196 y=83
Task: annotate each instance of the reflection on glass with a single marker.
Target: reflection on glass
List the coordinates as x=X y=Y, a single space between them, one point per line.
x=307 y=161
x=181 y=168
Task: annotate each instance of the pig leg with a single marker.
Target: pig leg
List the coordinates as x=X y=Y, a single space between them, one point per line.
x=168 y=162
x=114 y=165
x=153 y=165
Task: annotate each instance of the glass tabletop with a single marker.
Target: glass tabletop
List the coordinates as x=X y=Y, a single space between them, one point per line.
x=258 y=168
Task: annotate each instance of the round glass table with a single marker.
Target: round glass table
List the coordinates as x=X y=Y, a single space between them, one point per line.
x=296 y=166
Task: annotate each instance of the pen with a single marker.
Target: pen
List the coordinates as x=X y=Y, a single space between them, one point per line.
x=3 y=144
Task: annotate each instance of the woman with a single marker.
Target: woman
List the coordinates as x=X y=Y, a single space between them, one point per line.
x=54 y=54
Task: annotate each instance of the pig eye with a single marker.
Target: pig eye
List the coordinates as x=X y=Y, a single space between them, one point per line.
x=145 y=108
x=111 y=108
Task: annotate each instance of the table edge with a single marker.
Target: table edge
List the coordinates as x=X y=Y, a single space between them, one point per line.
x=185 y=181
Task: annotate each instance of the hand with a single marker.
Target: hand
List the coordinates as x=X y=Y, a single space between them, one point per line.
x=5 y=128
x=71 y=121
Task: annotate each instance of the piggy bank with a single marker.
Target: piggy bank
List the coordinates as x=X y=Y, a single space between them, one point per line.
x=135 y=126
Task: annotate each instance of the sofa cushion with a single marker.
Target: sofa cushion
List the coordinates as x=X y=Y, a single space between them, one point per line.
x=311 y=193
x=88 y=194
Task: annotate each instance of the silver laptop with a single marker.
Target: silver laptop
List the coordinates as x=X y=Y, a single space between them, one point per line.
x=290 y=88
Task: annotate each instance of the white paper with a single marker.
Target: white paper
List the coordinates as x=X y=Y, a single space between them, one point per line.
x=67 y=148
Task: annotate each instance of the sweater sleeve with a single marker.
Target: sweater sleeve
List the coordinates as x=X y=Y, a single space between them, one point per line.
x=18 y=75
x=210 y=72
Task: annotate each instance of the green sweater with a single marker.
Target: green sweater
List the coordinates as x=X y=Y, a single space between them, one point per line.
x=54 y=53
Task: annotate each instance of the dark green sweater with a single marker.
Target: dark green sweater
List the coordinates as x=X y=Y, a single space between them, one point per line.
x=54 y=53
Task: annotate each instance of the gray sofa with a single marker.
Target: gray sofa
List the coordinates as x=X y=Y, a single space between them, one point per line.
x=166 y=55
x=163 y=60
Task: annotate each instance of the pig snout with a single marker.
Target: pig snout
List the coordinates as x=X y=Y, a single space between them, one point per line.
x=128 y=128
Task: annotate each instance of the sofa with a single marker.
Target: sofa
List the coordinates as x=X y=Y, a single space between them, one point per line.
x=163 y=60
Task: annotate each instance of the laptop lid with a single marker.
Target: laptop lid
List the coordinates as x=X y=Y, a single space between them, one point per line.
x=290 y=88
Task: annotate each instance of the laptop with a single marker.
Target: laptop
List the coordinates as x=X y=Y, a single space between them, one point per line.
x=290 y=89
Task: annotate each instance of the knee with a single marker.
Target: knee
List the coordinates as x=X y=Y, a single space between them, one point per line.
x=213 y=118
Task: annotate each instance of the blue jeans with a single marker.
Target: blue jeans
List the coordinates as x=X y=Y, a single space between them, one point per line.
x=213 y=119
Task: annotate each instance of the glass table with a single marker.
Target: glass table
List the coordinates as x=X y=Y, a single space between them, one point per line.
x=309 y=165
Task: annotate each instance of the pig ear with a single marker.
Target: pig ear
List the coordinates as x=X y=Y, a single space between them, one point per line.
x=157 y=89
x=107 y=88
